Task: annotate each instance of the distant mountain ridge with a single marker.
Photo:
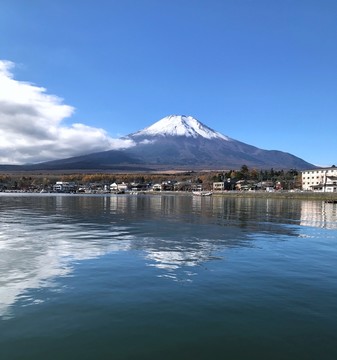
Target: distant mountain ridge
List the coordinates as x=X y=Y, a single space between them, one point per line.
x=178 y=142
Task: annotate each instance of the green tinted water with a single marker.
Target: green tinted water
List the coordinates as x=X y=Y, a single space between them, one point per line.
x=169 y=277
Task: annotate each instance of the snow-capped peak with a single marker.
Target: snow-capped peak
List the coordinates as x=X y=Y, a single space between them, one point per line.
x=180 y=125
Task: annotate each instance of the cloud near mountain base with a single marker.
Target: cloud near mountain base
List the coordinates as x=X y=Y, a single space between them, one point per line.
x=31 y=128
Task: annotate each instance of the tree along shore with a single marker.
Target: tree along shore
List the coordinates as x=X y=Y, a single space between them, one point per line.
x=45 y=180
x=291 y=181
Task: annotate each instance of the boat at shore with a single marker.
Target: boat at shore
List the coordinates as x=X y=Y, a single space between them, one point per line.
x=202 y=193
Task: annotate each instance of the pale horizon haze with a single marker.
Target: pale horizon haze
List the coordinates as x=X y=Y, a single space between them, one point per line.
x=77 y=75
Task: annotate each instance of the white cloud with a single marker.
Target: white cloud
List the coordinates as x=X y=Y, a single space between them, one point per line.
x=46 y=262
x=31 y=128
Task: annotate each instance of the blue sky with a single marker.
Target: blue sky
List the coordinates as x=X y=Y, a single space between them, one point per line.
x=263 y=72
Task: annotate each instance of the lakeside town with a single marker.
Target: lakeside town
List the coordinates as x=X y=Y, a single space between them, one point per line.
x=322 y=180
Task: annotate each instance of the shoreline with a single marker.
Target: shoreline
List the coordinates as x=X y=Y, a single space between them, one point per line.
x=298 y=195
x=262 y=195
x=280 y=195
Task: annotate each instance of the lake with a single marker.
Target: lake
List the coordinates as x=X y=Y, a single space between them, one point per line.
x=167 y=277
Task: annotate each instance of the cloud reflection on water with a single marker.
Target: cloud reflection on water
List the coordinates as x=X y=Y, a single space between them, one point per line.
x=33 y=255
x=42 y=237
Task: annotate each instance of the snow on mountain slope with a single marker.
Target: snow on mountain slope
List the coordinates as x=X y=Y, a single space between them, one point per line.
x=180 y=125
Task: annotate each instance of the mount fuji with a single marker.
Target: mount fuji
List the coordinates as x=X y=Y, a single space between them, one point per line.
x=179 y=142
x=178 y=125
x=184 y=142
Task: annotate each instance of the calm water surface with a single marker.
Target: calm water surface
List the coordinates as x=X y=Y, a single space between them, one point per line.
x=167 y=277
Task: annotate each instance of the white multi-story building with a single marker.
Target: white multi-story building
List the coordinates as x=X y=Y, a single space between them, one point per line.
x=118 y=188
x=322 y=180
x=64 y=186
x=219 y=186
